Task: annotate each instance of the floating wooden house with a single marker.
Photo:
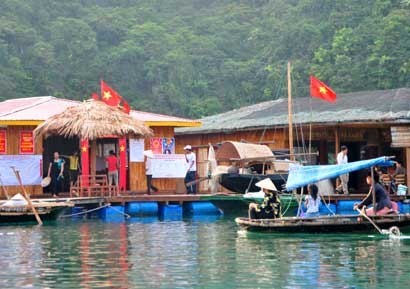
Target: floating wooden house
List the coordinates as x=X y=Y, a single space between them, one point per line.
x=369 y=123
x=19 y=117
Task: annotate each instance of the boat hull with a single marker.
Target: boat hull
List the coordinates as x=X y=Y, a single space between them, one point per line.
x=13 y=217
x=323 y=224
x=242 y=183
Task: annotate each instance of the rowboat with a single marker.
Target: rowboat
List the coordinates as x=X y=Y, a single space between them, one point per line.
x=300 y=176
x=47 y=211
x=324 y=224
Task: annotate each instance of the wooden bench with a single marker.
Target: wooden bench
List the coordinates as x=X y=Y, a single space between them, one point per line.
x=93 y=186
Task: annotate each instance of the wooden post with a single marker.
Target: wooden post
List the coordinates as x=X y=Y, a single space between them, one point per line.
x=17 y=173
x=407 y=152
x=373 y=190
x=292 y=157
x=337 y=140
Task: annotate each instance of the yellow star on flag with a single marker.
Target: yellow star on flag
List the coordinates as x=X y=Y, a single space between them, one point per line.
x=122 y=148
x=107 y=95
x=84 y=149
x=322 y=90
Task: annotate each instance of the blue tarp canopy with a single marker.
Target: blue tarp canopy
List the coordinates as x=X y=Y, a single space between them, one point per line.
x=300 y=176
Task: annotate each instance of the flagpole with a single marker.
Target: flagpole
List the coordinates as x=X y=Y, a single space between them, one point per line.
x=292 y=156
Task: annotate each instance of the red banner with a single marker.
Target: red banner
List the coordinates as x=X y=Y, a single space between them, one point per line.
x=122 y=144
x=26 y=142
x=3 y=141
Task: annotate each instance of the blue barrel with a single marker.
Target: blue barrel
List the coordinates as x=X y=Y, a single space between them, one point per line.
x=112 y=213
x=405 y=209
x=201 y=208
x=329 y=209
x=76 y=212
x=170 y=212
x=346 y=205
x=142 y=208
x=400 y=205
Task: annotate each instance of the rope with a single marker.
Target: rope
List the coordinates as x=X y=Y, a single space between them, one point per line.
x=327 y=206
x=85 y=212
x=96 y=209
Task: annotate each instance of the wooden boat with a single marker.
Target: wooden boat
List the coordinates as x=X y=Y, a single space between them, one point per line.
x=324 y=224
x=249 y=163
x=21 y=214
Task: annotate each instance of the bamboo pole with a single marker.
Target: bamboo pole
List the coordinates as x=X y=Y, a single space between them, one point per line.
x=373 y=190
x=17 y=173
x=290 y=124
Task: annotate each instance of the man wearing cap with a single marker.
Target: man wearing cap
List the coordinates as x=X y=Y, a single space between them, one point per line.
x=148 y=171
x=190 y=158
x=270 y=208
x=344 y=179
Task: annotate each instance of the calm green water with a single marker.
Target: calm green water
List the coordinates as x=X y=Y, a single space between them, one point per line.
x=194 y=254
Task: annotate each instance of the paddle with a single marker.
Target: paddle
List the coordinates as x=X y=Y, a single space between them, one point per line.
x=17 y=173
x=393 y=231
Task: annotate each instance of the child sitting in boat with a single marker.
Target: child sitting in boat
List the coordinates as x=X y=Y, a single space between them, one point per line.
x=270 y=208
x=383 y=203
x=312 y=202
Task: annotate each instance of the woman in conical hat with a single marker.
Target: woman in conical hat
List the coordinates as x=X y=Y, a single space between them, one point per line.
x=270 y=208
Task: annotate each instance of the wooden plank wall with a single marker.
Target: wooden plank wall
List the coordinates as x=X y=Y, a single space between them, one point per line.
x=13 y=140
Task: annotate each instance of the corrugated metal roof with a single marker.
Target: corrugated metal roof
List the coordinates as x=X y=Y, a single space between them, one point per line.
x=367 y=106
x=42 y=107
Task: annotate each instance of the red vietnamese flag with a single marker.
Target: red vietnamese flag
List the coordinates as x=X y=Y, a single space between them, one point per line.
x=113 y=98
x=320 y=90
x=109 y=95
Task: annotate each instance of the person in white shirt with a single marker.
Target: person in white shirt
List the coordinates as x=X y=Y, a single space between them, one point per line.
x=191 y=171
x=148 y=172
x=312 y=202
x=344 y=179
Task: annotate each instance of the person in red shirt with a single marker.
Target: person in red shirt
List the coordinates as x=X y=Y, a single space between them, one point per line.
x=111 y=163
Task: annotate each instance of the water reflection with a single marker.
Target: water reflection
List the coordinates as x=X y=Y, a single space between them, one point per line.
x=148 y=253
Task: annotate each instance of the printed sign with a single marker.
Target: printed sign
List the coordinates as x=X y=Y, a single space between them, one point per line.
x=26 y=142
x=30 y=168
x=3 y=141
x=168 y=145
x=137 y=150
x=156 y=145
x=169 y=166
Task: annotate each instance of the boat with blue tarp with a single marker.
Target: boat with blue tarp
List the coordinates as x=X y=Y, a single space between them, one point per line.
x=300 y=176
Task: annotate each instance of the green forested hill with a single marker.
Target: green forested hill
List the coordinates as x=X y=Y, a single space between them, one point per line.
x=199 y=57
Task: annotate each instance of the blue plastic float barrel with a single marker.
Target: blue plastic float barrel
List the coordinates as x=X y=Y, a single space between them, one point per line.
x=329 y=209
x=405 y=209
x=170 y=211
x=76 y=212
x=201 y=208
x=112 y=213
x=345 y=207
x=142 y=208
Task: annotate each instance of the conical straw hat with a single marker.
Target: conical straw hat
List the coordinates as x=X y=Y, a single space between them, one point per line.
x=266 y=184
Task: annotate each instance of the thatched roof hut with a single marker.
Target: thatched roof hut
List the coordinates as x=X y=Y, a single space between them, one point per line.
x=91 y=120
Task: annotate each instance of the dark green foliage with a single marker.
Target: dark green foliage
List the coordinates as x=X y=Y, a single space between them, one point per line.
x=198 y=57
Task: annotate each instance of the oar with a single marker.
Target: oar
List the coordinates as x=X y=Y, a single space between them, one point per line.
x=17 y=173
x=383 y=232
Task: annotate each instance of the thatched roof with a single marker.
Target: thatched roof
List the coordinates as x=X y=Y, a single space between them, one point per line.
x=387 y=106
x=91 y=120
x=232 y=150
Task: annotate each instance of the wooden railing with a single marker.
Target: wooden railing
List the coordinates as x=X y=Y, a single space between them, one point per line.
x=93 y=186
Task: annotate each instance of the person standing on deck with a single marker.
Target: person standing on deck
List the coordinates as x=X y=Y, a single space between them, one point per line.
x=55 y=172
x=73 y=167
x=190 y=158
x=148 y=172
x=112 y=167
x=344 y=179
